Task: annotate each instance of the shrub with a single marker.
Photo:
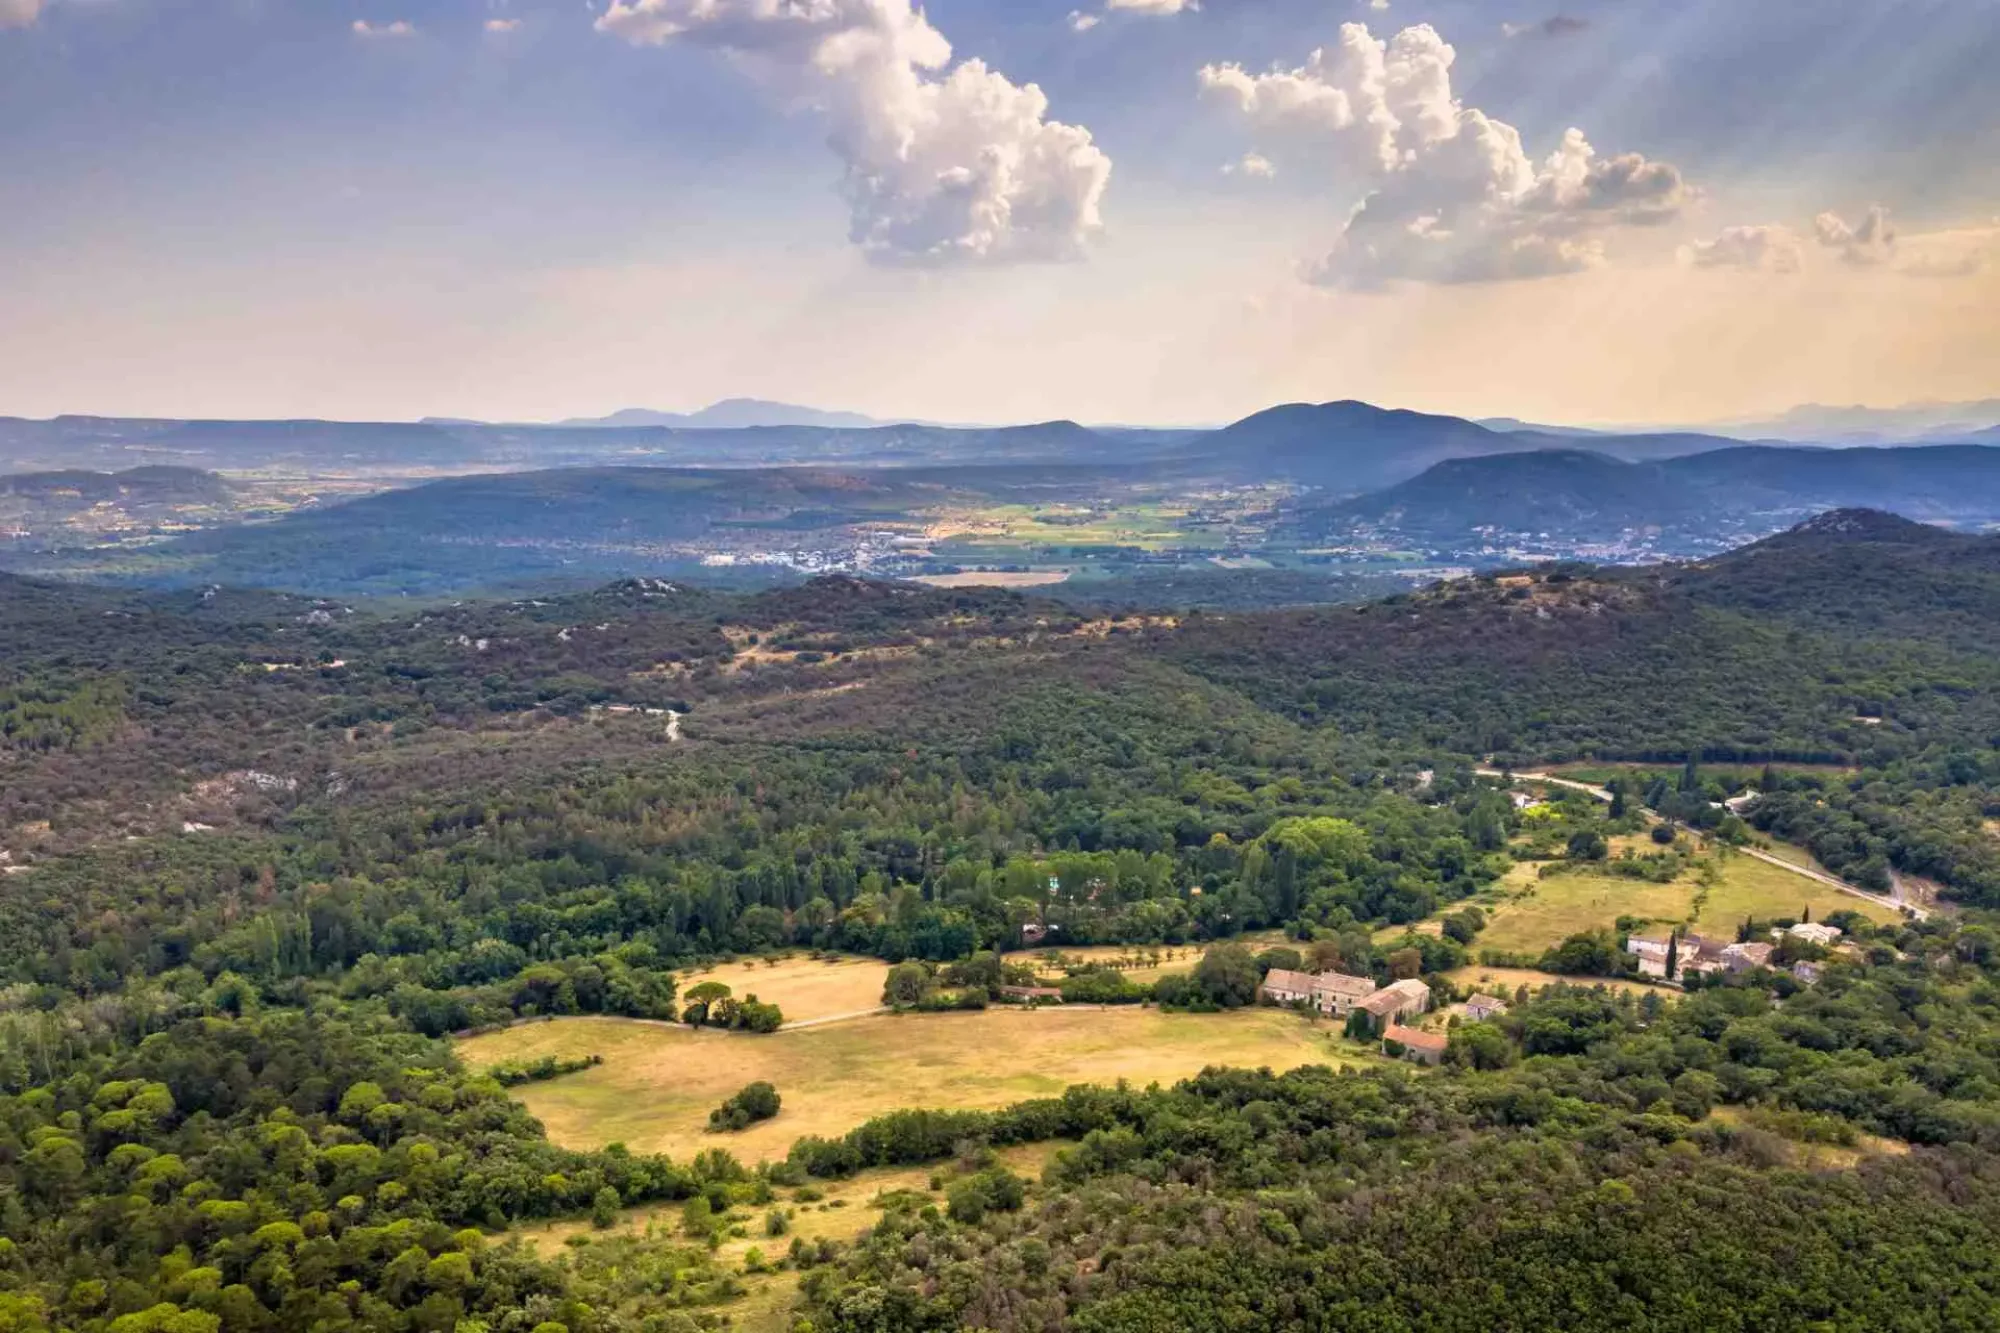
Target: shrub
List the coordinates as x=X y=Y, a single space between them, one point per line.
x=758 y=1101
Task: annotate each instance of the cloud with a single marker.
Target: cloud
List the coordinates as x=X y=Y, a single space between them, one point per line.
x=1253 y=165
x=1454 y=195
x=944 y=163
x=1562 y=25
x=1154 y=6
x=19 y=13
x=1082 y=22
x=1766 y=249
x=502 y=25
x=1869 y=243
x=398 y=28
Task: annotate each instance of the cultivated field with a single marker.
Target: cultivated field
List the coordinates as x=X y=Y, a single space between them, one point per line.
x=658 y=1082
x=803 y=987
x=1171 y=958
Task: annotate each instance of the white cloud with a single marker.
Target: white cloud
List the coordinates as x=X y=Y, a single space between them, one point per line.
x=1455 y=196
x=1866 y=244
x=1379 y=6
x=1768 y=249
x=1082 y=22
x=944 y=163
x=1254 y=165
x=1154 y=6
x=19 y=13
x=398 y=28
x=502 y=25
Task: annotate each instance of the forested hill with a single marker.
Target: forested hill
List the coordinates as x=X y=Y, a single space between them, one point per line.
x=259 y=854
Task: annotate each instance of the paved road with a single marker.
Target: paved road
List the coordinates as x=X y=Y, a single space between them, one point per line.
x=1898 y=902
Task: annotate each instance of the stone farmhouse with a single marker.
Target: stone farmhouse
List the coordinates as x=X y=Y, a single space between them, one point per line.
x=1329 y=992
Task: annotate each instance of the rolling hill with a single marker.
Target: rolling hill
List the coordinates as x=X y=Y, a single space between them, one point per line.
x=1582 y=494
x=1586 y=495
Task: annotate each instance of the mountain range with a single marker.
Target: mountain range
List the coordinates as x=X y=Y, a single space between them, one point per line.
x=729 y=414
x=1585 y=494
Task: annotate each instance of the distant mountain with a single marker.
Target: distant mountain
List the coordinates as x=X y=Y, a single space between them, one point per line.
x=1943 y=483
x=729 y=414
x=1353 y=447
x=1343 y=447
x=1588 y=496
x=1818 y=423
x=1579 y=494
x=1514 y=426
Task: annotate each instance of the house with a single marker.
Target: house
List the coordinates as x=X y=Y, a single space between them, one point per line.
x=1482 y=1007
x=1524 y=800
x=1808 y=973
x=1397 y=1001
x=1031 y=994
x=1746 y=957
x=1329 y=992
x=1737 y=805
x=1651 y=952
x=1814 y=933
x=1425 y=1048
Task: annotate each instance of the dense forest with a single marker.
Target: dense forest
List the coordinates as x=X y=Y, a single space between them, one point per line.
x=261 y=854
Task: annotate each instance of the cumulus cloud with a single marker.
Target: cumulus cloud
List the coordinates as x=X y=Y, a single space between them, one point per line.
x=1254 y=165
x=944 y=163
x=398 y=28
x=1455 y=196
x=1868 y=243
x=1153 y=6
x=19 y=13
x=1767 y=249
x=1082 y=22
x=498 y=26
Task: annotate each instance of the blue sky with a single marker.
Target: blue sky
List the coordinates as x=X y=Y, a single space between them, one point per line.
x=548 y=207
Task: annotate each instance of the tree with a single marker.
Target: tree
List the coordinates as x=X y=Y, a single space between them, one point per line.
x=1588 y=845
x=1227 y=976
x=906 y=984
x=701 y=1000
x=1673 y=955
x=1406 y=964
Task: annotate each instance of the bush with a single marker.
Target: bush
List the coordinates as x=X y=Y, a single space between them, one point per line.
x=758 y=1101
x=997 y=1190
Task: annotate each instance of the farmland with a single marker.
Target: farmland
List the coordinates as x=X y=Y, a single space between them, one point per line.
x=1537 y=913
x=658 y=1082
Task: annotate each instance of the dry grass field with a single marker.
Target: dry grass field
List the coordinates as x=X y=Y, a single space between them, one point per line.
x=1544 y=912
x=1753 y=888
x=1172 y=958
x=803 y=987
x=1504 y=981
x=1548 y=911
x=658 y=1082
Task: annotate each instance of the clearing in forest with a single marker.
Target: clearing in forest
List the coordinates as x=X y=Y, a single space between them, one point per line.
x=804 y=988
x=658 y=1082
x=1545 y=912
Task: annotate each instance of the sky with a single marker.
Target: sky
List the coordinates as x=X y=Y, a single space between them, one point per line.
x=1142 y=211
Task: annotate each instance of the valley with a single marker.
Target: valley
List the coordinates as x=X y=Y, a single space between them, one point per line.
x=1297 y=505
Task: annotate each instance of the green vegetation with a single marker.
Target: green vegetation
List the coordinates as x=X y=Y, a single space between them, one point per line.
x=264 y=855
x=757 y=1101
